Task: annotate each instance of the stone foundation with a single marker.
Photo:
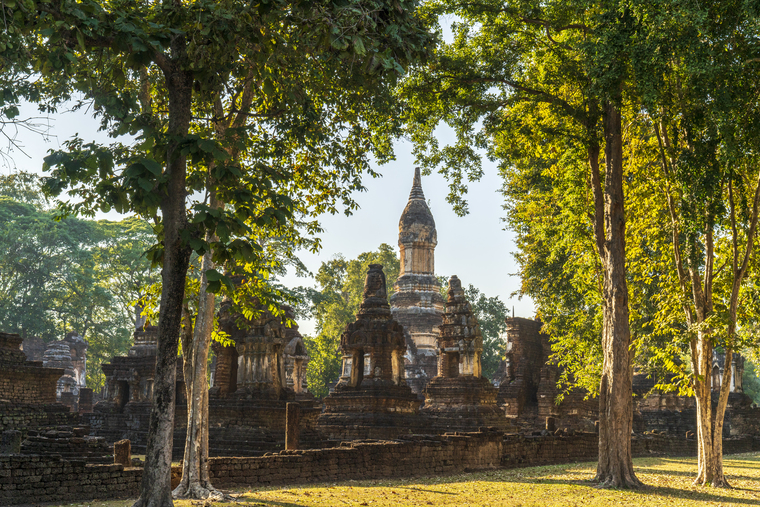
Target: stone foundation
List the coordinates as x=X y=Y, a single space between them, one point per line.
x=462 y=404
x=32 y=479
x=24 y=417
x=68 y=443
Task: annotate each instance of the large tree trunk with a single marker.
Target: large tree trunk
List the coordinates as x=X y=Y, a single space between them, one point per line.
x=155 y=489
x=615 y=467
x=195 y=481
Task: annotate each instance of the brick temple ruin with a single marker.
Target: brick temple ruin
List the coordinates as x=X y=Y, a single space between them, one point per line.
x=372 y=398
x=411 y=398
x=69 y=354
x=460 y=398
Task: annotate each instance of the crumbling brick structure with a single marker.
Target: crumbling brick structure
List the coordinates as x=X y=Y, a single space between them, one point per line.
x=528 y=390
x=296 y=359
x=459 y=397
x=258 y=352
x=124 y=411
x=372 y=398
x=70 y=354
x=23 y=381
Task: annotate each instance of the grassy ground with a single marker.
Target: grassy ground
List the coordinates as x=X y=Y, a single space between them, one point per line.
x=668 y=483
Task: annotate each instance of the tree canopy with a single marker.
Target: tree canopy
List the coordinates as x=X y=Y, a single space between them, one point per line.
x=59 y=276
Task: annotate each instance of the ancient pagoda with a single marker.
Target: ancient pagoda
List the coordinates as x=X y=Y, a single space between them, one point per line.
x=372 y=398
x=256 y=369
x=417 y=303
x=459 y=397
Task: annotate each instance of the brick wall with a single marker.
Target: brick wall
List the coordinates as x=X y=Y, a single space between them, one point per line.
x=23 y=417
x=27 y=479
x=418 y=455
x=28 y=384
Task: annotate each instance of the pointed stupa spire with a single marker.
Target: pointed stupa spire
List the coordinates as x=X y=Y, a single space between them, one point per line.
x=416 y=192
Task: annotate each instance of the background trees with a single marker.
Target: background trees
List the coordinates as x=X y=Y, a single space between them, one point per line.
x=59 y=276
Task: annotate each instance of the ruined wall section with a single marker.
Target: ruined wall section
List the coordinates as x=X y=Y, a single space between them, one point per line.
x=23 y=381
x=528 y=390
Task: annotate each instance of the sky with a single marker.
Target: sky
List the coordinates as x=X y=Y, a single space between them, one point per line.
x=475 y=247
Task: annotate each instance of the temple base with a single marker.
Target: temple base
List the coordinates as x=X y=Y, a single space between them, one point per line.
x=463 y=403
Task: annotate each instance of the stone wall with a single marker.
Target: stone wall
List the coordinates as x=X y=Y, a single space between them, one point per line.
x=28 y=479
x=24 y=417
x=414 y=456
x=236 y=427
x=23 y=381
x=68 y=443
x=33 y=478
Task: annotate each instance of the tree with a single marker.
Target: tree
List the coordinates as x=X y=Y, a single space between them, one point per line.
x=19 y=83
x=69 y=275
x=702 y=103
x=560 y=59
x=689 y=165
x=197 y=53
x=334 y=305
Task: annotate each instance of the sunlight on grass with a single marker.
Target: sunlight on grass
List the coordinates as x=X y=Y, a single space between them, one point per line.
x=668 y=483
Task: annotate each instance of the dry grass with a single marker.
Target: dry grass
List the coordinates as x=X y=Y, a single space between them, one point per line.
x=668 y=480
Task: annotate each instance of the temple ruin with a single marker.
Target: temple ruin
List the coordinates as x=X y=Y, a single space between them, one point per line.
x=69 y=354
x=372 y=398
x=459 y=397
x=528 y=386
x=417 y=303
x=296 y=359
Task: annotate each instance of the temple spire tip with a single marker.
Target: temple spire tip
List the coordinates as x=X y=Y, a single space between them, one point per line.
x=416 y=192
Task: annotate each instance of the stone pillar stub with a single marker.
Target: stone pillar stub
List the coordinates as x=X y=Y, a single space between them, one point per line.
x=122 y=453
x=292 y=423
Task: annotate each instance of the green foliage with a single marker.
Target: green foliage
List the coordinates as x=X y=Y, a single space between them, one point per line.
x=751 y=381
x=285 y=103
x=334 y=305
x=526 y=86
x=68 y=275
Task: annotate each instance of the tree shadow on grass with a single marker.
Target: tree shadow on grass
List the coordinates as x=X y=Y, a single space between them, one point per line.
x=646 y=491
x=692 y=475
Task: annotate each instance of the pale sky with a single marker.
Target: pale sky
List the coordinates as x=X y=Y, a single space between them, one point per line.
x=474 y=247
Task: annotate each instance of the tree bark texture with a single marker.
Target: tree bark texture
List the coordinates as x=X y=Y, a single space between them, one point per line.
x=195 y=482
x=615 y=467
x=155 y=489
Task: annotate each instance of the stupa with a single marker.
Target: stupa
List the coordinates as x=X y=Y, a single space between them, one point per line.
x=459 y=397
x=417 y=303
x=372 y=398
